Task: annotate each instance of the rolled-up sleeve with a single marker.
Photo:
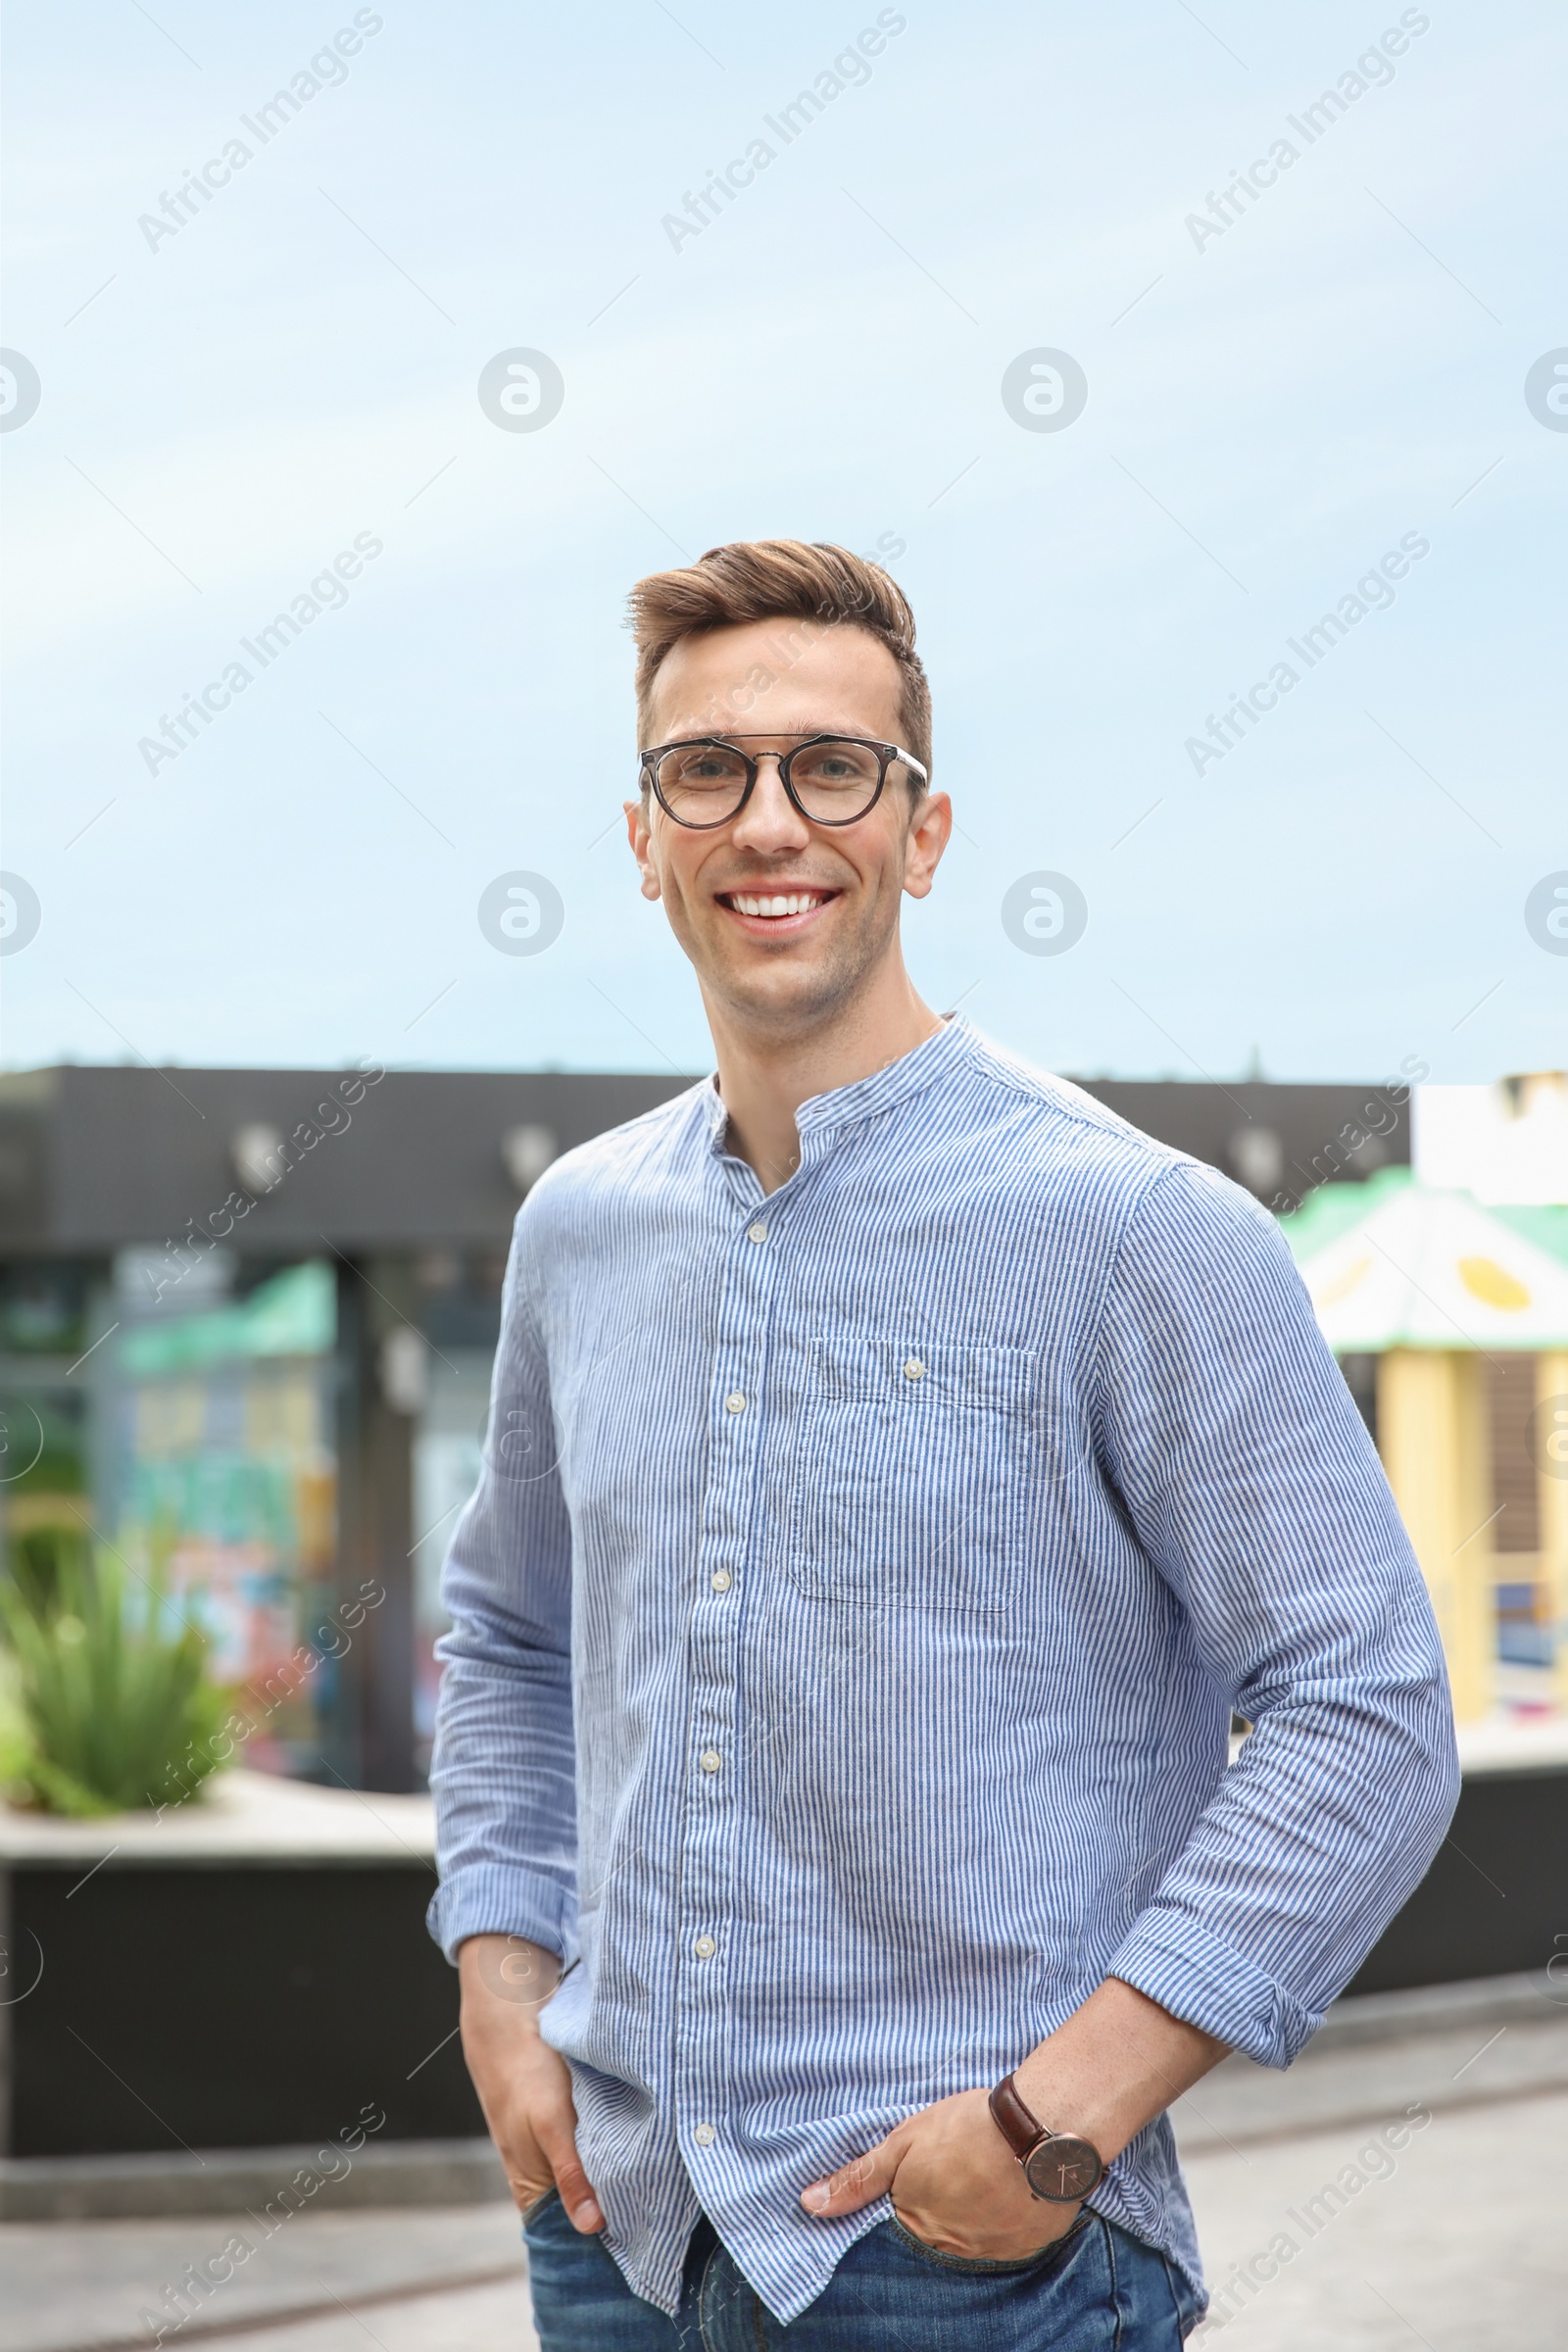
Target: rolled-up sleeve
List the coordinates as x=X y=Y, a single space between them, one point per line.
x=1227 y=1428
x=503 y=1769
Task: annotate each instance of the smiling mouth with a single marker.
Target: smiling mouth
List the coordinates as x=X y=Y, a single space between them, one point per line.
x=775 y=908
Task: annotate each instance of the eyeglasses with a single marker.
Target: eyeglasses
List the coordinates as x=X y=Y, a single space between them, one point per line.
x=831 y=779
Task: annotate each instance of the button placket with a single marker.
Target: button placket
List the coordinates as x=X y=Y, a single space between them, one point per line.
x=711 y=1821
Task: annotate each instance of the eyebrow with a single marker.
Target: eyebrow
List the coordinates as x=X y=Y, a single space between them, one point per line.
x=770 y=735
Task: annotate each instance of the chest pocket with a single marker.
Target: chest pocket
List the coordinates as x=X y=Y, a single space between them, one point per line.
x=912 y=1474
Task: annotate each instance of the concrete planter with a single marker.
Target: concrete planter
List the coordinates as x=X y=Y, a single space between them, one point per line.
x=250 y=1969
x=193 y=2004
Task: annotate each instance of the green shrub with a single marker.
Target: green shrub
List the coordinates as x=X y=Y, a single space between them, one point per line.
x=112 y=1690
x=36 y=1562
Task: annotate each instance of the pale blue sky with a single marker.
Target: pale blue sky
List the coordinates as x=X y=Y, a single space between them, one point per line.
x=1267 y=417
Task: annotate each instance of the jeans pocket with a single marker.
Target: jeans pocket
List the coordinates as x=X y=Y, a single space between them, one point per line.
x=978 y=2265
x=1187 y=2307
x=535 y=2211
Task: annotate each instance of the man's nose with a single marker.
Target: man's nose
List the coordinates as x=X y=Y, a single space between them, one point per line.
x=770 y=818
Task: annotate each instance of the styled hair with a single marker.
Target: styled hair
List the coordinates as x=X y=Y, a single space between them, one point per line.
x=779 y=580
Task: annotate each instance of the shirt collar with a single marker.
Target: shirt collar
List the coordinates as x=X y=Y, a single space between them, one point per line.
x=866 y=1098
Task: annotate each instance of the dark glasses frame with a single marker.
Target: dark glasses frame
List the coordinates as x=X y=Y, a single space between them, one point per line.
x=887 y=754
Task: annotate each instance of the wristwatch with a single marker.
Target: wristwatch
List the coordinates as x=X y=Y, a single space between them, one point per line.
x=1060 y=2167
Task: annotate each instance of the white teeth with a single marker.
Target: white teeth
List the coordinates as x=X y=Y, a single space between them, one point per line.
x=787 y=902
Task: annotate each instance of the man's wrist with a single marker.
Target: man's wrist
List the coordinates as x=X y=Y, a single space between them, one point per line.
x=1110 y=2068
x=508 y=1968
x=1063 y=2104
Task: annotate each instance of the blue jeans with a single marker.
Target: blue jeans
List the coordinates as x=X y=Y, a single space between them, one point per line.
x=1097 y=2290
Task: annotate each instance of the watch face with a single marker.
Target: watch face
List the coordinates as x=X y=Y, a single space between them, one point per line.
x=1061 y=2170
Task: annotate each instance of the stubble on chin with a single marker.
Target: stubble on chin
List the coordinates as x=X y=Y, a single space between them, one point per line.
x=793 y=998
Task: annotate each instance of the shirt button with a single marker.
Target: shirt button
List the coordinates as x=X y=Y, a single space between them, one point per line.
x=735 y=1403
x=757 y=1233
x=721 y=1580
x=709 y=1759
x=915 y=1369
x=705 y=2135
x=704 y=1948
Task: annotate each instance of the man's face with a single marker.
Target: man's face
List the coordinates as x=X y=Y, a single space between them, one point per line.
x=772 y=682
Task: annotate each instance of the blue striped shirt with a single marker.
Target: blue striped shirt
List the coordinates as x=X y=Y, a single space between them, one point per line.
x=847 y=1621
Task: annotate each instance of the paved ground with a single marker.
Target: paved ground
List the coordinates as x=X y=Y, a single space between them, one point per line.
x=68 y=2286
x=1458 y=2241
x=1454 y=2239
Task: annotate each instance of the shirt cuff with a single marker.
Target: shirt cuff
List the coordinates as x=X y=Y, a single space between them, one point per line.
x=497 y=1898
x=1178 y=1963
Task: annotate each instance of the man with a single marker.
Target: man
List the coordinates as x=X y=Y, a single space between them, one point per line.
x=898 y=1469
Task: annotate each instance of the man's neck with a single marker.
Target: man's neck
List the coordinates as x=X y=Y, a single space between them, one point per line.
x=764 y=1078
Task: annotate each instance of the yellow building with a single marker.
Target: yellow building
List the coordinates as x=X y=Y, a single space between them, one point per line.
x=1465 y=1310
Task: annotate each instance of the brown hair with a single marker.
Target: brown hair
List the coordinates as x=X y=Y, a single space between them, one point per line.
x=780 y=579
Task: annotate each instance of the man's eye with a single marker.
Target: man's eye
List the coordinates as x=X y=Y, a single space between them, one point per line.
x=703 y=767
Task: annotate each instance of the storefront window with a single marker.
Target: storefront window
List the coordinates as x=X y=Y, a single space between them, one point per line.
x=225 y=1469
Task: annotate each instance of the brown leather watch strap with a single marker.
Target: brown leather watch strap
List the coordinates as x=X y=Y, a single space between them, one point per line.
x=1012 y=2119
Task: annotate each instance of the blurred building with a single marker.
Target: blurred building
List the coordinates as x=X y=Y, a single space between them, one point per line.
x=1450 y=1319
x=247 y=1320
x=1505 y=1144
x=246 y=1326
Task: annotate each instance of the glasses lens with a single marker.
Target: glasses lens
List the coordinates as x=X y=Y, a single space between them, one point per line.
x=834 y=781
x=701 y=783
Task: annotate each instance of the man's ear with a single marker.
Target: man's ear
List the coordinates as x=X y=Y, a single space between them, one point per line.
x=930 y=830
x=639 y=835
